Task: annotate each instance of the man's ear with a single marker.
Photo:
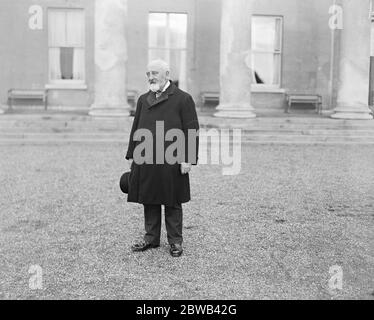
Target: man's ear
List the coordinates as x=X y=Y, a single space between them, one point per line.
x=167 y=74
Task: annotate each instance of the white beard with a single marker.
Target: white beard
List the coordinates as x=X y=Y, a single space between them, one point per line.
x=154 y=87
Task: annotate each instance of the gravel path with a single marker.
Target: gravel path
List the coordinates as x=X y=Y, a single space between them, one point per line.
x=274 y=231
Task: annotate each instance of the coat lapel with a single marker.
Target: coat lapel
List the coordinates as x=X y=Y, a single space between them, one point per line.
x=151 y=97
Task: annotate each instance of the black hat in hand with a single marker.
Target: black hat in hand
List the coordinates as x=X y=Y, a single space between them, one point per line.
x=124 y=182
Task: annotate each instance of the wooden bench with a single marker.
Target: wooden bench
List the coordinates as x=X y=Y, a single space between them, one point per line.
x=210 y=97
x=132 y=97
x=304 y=98
x=28 y=94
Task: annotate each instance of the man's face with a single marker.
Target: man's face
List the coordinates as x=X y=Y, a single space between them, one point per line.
x=156 y=77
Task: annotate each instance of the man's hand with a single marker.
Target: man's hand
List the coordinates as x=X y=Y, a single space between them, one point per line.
x=185 y=167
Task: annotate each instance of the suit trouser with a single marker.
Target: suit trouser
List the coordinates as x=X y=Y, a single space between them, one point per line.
x=173 y=222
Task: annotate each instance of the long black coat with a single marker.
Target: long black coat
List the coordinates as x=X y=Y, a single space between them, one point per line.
x=162 y=183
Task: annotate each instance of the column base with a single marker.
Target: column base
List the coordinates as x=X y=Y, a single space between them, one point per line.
x=235 y=110
x=353 y=113
x=106 y=111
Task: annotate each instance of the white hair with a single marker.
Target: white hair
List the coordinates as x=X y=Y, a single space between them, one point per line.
x=159 y=63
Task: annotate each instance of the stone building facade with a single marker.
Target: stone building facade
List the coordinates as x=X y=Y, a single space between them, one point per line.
x=92 y=55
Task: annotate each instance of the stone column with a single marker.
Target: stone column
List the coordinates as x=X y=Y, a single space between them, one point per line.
x=354 y=62
x=235 y=63
x=110 y=59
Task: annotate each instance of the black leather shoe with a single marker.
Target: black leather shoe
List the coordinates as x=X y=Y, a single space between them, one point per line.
x=143 y=246
x=176 y=250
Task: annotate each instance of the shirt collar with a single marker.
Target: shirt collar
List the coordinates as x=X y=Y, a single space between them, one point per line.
x=166 y=86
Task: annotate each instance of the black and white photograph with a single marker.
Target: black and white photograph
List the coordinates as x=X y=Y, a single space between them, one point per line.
x=186 y=155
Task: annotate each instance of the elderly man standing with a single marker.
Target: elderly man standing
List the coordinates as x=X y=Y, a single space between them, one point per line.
x=155 y=184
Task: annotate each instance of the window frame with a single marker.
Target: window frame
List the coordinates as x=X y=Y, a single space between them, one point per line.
x=263 y=86
x=67 y=83
x=168 y=48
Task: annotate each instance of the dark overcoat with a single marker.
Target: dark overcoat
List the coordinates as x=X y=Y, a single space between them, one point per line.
x=152 y=183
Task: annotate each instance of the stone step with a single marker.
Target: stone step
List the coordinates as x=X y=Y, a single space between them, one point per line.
x=64 y=136
x=64 y=123
x=126 y=131
x=307 y=139
x=290 y=125
x=123 y=138
x=312 y=132
x=60 y=128
x=29 y=118
x=63 y=127
x=126 y=125
x=76 y=128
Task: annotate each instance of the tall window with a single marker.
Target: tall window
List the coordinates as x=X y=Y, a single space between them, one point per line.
x=168 y=41
x=267 y=50
x=66 y=39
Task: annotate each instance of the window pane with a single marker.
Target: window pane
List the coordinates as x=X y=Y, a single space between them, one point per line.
x=78 y=64
x=264 y=33
x=66 y=61
x=372 y=39
x=66 y=32
x=178 y=30
x=278 y=34
x=155 y=54
x=75 y=28
x=178 y=68
x=266 y=68
x=277 y=69
x=157 y=29
x=171 y=28
x=56 y=28
x=54 y=64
